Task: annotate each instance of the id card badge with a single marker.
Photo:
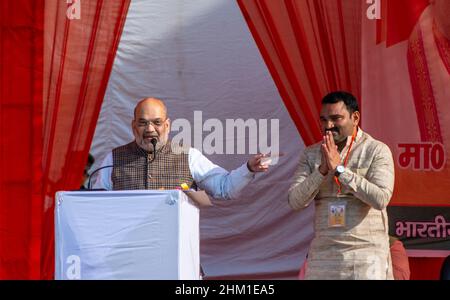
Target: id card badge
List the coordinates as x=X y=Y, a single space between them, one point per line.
x=336 y=214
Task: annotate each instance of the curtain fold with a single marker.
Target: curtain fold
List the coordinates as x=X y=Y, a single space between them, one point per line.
x=21 y=67
x=311 y=47
x=398 y=19
x=78 y=58
x=55 y=60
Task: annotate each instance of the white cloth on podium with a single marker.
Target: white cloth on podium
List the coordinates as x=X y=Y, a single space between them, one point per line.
x=126 y=235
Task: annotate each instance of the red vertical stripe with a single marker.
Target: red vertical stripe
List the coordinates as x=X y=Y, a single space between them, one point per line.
x=21 y=52
x=81 y=60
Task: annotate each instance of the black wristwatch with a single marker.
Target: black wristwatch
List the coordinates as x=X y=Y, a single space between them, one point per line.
x=339 y=170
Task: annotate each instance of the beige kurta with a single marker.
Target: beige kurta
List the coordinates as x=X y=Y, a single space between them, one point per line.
x=360 y=249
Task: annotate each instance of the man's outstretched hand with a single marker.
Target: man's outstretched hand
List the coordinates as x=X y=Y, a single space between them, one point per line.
x=260 y=162
x=256 y=164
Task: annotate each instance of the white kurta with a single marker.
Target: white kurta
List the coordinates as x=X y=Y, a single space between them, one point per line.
x=360 y=249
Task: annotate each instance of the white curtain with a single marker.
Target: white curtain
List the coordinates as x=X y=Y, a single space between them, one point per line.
x=200 y=56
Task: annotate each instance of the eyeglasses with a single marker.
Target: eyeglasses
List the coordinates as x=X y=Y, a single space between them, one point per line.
x=144 y=123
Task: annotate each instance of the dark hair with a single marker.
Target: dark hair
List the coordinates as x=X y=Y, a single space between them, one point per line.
x=90 y=160
x=348 y=99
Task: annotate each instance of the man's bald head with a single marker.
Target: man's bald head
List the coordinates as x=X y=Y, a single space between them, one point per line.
x=150 y=122
x=150 y=103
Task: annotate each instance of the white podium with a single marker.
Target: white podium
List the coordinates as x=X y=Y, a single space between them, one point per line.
x=126 y=235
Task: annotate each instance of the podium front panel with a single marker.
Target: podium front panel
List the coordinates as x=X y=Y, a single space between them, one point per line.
x=126 y=235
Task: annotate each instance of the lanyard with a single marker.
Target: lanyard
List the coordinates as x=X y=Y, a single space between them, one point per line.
x=346 y=160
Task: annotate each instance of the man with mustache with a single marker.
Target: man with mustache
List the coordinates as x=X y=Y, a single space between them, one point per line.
x=350 y=178
x=136 y=166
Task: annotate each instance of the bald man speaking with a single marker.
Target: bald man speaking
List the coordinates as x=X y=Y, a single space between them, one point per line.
x=152 y=162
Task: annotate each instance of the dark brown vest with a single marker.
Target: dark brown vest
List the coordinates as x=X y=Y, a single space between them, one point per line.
x=133 y=169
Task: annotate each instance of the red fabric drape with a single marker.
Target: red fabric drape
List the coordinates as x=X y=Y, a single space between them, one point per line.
x=54 y=72
x=398 y=19
x=311 y=47
x=21 y=50
x=79 y=54
x=425 y=268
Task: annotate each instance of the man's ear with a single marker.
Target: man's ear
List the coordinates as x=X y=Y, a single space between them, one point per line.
x=168 y=124
x=133 y=126
x=356 y=116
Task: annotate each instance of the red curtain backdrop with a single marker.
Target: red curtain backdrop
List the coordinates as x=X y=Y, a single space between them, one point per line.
x=311 y=47
x=78 y=59
x=54 y=72
x=21 y=65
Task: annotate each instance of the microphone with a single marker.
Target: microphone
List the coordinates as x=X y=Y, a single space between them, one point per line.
x=95 y=171
x=154 y=141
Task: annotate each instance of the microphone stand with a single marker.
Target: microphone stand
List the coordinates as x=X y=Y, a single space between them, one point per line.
x=153 y=141
x=95 y=171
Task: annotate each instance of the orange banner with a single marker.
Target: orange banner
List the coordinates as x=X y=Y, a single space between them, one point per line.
x=406 y=98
